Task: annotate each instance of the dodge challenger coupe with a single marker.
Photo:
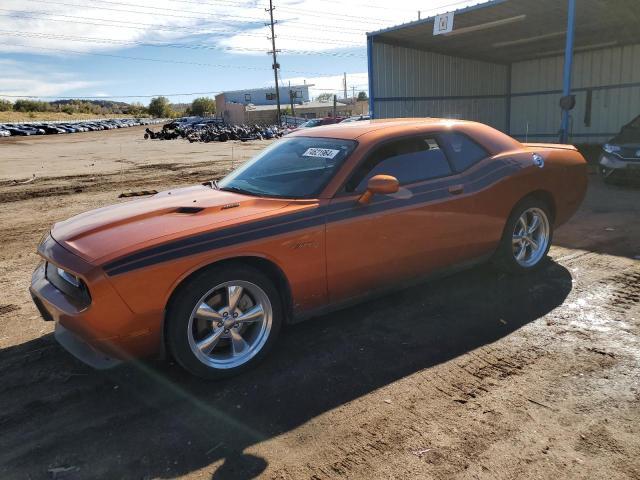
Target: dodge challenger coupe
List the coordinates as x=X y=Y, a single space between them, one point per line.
x=321 y=219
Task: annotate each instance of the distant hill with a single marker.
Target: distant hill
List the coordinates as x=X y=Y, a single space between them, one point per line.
x=108 y=104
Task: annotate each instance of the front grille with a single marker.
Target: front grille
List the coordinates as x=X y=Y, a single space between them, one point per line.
x=629 y=153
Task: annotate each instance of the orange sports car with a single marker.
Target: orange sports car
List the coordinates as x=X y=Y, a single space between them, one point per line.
x=321 y=219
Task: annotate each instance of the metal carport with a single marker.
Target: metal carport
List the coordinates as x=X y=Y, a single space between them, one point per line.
x=503 y=64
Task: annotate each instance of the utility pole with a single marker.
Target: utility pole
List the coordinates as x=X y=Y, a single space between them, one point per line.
x=335 y=101
x=274 y=52
x=345 y=86
x=292 y=95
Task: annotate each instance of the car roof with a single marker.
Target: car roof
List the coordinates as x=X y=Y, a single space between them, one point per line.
x=376 y=130
x=353 y=130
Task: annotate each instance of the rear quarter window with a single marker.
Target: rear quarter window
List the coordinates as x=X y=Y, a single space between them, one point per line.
x=462 y=151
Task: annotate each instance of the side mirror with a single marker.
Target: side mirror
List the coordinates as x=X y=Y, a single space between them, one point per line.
x=379 y=184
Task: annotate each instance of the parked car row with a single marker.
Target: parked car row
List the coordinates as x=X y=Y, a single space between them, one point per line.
x=318 y=122
x=53 y=128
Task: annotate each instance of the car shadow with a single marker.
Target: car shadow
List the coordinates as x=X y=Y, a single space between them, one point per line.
x=155 y=421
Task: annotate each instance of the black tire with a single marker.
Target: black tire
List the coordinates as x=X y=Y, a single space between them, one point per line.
x=186 y=300
x=504 y=258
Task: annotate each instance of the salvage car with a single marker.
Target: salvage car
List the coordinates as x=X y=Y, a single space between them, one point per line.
x=620 y=157
x=22 y=130
x=320 y=219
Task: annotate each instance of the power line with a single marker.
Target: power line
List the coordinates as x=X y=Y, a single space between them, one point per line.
x=179 y=14
x=239 y=19
x=124 y=23
x=196 y=46
x=173 y=15
x=114 y=23
x=217 y=32
x=165 y=44
x=241 y=4
x=159 y=60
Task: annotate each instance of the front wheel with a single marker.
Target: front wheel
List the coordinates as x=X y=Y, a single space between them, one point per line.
x=223 y=321
x=527 y=237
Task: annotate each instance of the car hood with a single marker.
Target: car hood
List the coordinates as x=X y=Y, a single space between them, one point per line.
x=107 y=233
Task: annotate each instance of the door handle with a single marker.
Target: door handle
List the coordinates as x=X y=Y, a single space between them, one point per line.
x=456 y=189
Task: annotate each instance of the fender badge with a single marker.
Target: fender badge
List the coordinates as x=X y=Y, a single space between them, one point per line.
x=229 y=205
x=538 y=160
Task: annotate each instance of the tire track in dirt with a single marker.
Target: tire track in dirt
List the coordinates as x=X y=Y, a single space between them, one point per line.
x=137 y=177
x=465 y=381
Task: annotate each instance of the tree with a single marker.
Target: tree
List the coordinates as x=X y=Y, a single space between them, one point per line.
x=137 y=109
x=362 y=96
x=159 y=107
x=31 y=106
x=203 y=106
x=5 y=105
x=325 y=97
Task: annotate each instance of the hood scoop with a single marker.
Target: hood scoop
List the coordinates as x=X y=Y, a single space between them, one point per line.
x=188 y=210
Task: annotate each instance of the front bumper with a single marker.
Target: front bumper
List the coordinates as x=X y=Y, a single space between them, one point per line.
x=101 y=333
x=612 y=166
x=53 y=305
x=84 y=351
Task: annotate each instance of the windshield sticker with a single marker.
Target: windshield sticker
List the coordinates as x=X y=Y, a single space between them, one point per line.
x=321 y=152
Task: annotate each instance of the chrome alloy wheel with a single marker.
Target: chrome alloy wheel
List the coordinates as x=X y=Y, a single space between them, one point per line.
x=230 y=324
x=530 y=237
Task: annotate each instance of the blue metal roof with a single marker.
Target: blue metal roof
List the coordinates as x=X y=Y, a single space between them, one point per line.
x=468 y=8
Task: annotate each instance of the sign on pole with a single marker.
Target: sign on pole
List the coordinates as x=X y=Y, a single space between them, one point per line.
x=443 y=23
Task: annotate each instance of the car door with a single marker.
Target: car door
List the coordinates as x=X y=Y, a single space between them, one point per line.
x=395 y=237
x=478 y=175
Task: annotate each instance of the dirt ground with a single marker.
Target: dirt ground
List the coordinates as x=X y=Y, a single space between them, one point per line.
x=478 y=375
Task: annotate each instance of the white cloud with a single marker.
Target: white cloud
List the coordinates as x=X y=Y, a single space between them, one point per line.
x=42 y=26
x=313 y=25
x=318 y=27
x=43 y=80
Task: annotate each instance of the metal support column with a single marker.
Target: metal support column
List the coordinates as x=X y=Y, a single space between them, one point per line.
x=370 y=74
x=507 y=115
x=566 y=75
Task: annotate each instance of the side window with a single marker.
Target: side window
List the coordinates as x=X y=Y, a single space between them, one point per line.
x=409 y=160
x=461 y=150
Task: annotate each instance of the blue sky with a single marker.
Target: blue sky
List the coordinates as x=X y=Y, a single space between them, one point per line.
x=75 y=48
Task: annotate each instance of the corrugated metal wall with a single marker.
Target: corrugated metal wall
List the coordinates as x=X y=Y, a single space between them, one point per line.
x=415 y=83
x=613 y=77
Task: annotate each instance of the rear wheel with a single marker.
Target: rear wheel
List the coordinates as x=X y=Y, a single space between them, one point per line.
x=223 y=321
x=527 y=237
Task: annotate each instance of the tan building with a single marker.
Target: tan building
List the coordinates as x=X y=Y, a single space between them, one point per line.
x=237 y=113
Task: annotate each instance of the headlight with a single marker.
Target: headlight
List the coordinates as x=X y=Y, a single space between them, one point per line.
x=611 y=148
x=72 y=279
x=611 y=162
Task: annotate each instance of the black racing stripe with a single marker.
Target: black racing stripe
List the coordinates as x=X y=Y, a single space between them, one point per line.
x=218 y=243
x=425 y=193
x=298 y=216
x=209 y=236
x=437 y=192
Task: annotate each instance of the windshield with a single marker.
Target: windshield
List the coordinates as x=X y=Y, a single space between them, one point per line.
x=295 y=167
x=311 y=123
